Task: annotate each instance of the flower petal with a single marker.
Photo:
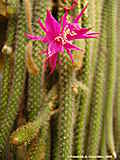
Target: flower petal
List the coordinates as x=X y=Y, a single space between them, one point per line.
x=81 y=13
x=64 y=20
x=82 y=35
x=52 y=62
x=53 y=50
x=76 y=31
x=41 y=25
x=69 y=46
x=52 y=25
x=93 y=33
x=54 y=47
x=30 y=36
x=70 y=55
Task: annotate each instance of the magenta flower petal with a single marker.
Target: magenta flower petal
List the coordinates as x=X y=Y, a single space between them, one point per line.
x=45 y=39
x=89 y=36
x=70 y=55
x=81 y=13
x=76 y=34
x=41 y=25
x=52 y=62
x=70 y=46
x=51 y=24
x=93 y=33
x=34 y=38
x=54 y=47
x=64 y=20
x=83 y=30
x=83 y=36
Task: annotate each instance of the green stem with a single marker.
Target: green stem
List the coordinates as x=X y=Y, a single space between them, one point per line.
x=110 y=75
x=35 y=83
x=65 y=115
x=83 y=96
x=18 y=79
x=5 y=84
x=98 y=90
x=65 y=112
x=103 y=144
x=117 y=103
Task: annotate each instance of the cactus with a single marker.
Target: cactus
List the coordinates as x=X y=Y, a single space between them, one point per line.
x=97 y=5
x=65 y=115
x=94 y=10
x=8 y=51
x=103 y=144
x=25 y=134
x=40 y=144
x=83 y=96
x=69 y=113
x=111 y=70
x=35 y=83
x=36 y=90
x=117 y=102
x=65 y=108
x=39 y=147
x=97 y=94
x=18 y=79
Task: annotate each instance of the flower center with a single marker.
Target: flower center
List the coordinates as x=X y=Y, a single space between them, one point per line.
x=62 y=37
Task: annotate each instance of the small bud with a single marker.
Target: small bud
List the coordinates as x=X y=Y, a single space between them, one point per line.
x=7 y=50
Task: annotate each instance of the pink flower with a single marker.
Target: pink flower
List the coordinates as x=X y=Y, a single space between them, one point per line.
x=59 y=36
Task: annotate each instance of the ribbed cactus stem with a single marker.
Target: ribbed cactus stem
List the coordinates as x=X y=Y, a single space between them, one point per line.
x=5 y=88
x=35 y=83
x=18 y=79
x=83 y=96
x=65 y=115
x=36 y=91
x=98 y=90
x=117 y=103
x=40 y=146
x=65 y=112
x=41 y=143
x=94 y=11
x=26 y=133
x=8 y=51
x=97 y=9
x=111 y=73
x=103 y=144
